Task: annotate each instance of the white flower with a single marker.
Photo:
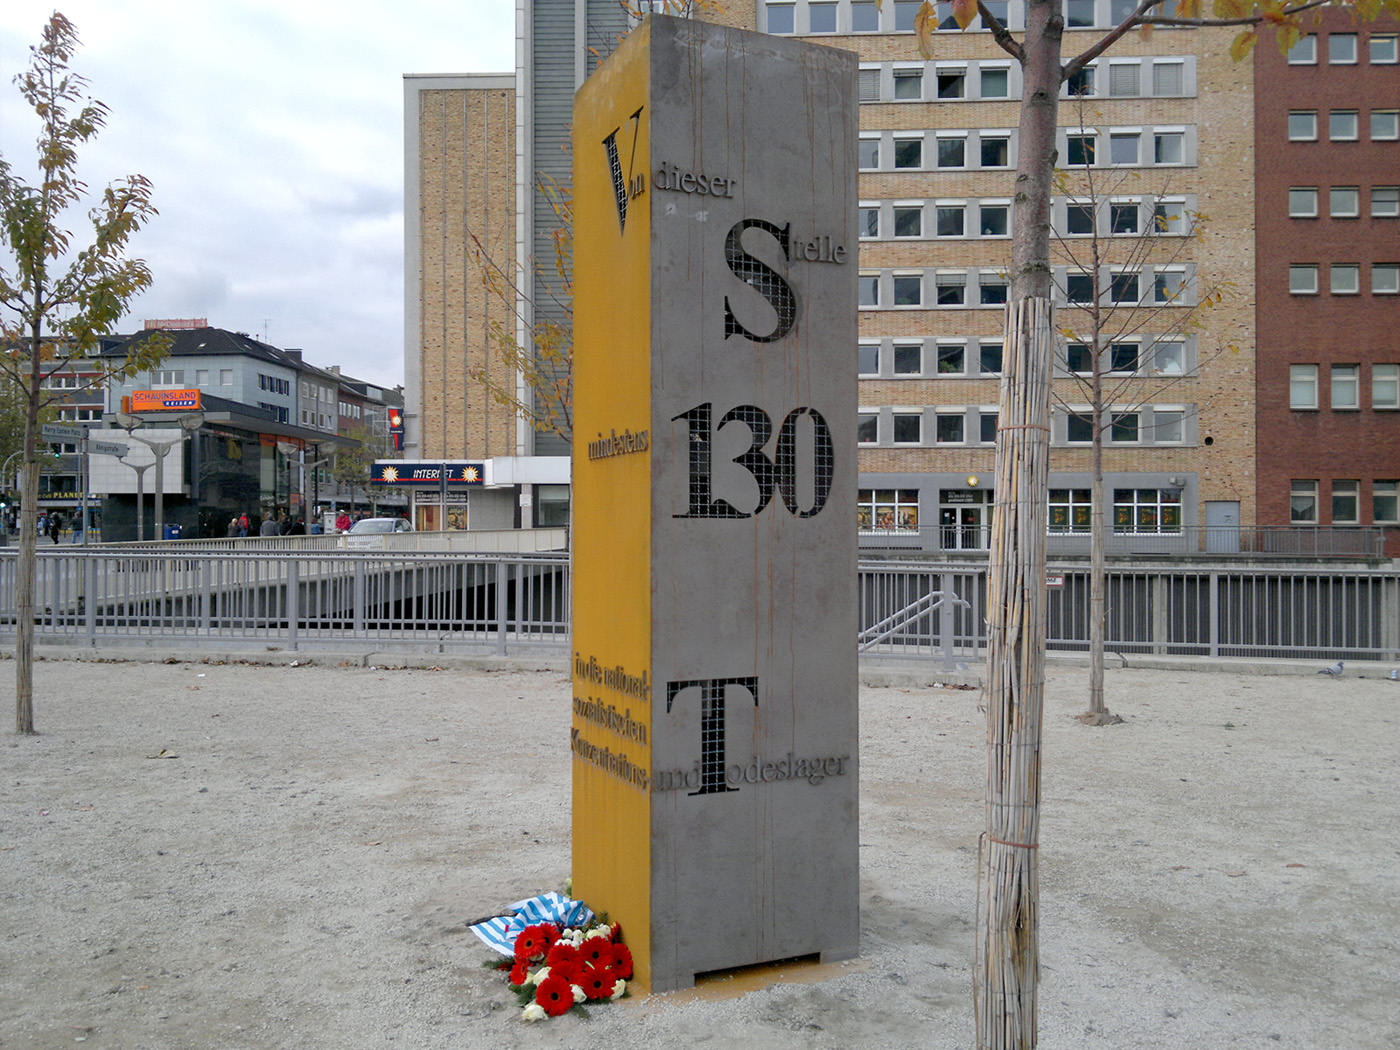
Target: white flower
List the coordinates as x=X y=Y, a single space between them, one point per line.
x=569 y=886
x=579 y=995
x=534 y=1012
x=538 y=976
x=619 y=986
x=600 y=931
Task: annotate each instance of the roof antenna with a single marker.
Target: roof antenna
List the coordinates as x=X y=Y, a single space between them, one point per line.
x=265 y=321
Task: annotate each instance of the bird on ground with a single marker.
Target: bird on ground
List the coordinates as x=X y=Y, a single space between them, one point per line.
x=1335 y=671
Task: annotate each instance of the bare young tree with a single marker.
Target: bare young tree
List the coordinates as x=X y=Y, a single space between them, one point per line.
x=1007 y=944
x=58 y=299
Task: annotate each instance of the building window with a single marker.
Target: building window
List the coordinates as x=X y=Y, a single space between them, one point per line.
x=1346 y=502
x=952 y=83
x=1079 y=219
x=1383 y=49
x=1304 y=51
x=1385 y=202
x=1302 y=202
x=1123 y=288
x=1123 y=357
x=1079 y=428
x=868 y=84
x=1302 y=125
x=949 y=428
x=867 y=428
x=951 y=358
x=869 y=154
x=1169 y=357
x=1071 y=511
x=908 y=359
x=908 y=289
x=1124 y=79
x=887 y=510
x=904 y=12
x=1081 y=84
x=1080 y=152
x=992 y=291
x=952 y=151
x=1302 y=386
x=950 y=220
x=1341 y=49
x=1079 y=14
x=908 y=85
x=908 y=428
x=1123 y=148
x=996 y=151
x=1124 y=428
x=995 y=82
x=1344 y=202
x=908 y=222
x=1168 y=426
x=1346 y=387
x=994 y=220
x=1385 y=125
x=1302 y=278
x=1169 y=216
x=1168 y=78
x=987 y=426
x=951 y=288
x=1079 y=289
x=909 y=153
x=869 y=222
x=821 y=17
x=1146 y=510
x=226 y=377
x=1385 y=386
x=1302 y=502
x=1123 y=218
x=865 y=17
x=201 y=377
x=1385 y=501
x=868 y=359
x=1342 y=125
x=991 y=359
x=1079 y=358
x=780 y=18
x=868 y=287
x=1385 y=278
x=1345 y=279
x=1168 y=285
x=1169 y=147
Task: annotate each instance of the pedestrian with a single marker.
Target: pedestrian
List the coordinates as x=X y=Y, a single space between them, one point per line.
x=342 y=523
x=284 y=524
x=55 y=524
x=268 y=526
x=298 y=528
x=243 y=524
x=232 y=529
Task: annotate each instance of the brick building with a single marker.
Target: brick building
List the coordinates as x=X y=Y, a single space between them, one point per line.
x=1328 y=243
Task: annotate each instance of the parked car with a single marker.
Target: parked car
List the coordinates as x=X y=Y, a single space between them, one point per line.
x=379 y=526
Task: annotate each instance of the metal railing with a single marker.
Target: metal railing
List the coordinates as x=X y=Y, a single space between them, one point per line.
x=1254 y=541
x=493 y=603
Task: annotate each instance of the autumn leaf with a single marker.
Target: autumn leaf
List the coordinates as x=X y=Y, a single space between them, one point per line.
x=925 y=22
x=1232 y=8
x=1243 y=45
x=964 y=11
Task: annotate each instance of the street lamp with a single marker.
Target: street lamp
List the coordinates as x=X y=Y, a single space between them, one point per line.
x=128 y=422
x=140 y=469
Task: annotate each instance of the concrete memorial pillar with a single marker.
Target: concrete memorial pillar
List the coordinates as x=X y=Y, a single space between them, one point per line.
x=714 y=737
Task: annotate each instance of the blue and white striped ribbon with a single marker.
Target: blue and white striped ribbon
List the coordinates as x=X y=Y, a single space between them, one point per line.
x=499 y=934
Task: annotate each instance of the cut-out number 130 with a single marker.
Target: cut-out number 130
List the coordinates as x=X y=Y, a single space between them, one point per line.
x=778 y=472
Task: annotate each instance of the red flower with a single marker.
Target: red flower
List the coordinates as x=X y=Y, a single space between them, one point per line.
x=563 y=959
x=555 y=995
x=519 y=972
x=594 y=951
x=597 y=983
x=620 y=961
x=551 y=932
x=533 y=942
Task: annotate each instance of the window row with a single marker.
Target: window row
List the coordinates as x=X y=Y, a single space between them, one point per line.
x=818 y=17
x=1134 y=511
x=273 y=384
x=1128 y=147
x=926 y=219
x=1345 y=387
x=977 y=425
x=279 y=412
x=1123 y=216
x=1345 y=497
x=956 y=150
x=981 y=81
x=1343 y=202
x=913 y=358
x=1344 y=278
x=1343 y=49
x=1070 y=512
x=1157 y=285
x=1343 y=125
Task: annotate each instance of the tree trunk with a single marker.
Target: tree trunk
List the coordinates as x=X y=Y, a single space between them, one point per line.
x=1007 y=953
x=24 y=597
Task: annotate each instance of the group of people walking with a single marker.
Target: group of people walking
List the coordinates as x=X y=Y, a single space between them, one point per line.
x=282 y=525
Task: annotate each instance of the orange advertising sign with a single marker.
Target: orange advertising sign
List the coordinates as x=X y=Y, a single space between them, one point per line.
x=164 y=400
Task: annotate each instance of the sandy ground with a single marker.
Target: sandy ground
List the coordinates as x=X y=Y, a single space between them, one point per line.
x=1220 y=871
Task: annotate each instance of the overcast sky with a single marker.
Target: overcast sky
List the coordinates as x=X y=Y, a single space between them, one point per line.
x=273 y=133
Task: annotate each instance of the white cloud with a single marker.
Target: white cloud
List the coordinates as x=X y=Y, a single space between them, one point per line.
x=273 y=135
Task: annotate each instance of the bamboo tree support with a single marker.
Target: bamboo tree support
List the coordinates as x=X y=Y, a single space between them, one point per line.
x=1007 y=964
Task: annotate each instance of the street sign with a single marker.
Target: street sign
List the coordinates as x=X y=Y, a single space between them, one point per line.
x=108 y=448
x=61 y=432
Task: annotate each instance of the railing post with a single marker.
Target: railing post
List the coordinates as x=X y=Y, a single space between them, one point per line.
x=501 y=605
x=90 y=597
x=945 y=620
x=1160 y=630
x=358 y=599
x=1214 y=613
x=293 y=600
